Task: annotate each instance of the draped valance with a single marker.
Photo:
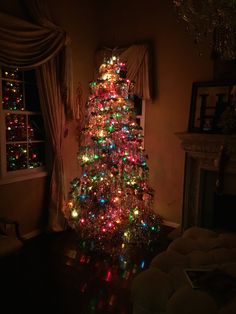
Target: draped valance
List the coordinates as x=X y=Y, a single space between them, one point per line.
x=137 y=60
x=26 y=45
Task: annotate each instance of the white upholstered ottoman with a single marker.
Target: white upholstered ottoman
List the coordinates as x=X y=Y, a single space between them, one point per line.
x=164 y=288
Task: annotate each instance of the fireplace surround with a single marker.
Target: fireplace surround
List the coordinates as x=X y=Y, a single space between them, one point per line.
x=209 y=198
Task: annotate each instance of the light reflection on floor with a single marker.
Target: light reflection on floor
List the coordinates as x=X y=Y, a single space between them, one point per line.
x=104 y=280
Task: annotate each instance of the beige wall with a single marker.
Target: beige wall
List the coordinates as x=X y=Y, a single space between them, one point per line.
x=77 y=18
x=176 y=64
x=26 y=202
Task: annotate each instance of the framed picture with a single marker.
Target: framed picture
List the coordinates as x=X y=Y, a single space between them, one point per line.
x=213 y=107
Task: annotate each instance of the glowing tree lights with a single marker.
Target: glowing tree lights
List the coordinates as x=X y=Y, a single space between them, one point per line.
x=111 y=203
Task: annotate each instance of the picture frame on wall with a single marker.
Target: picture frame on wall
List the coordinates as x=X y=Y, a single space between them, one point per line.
x=213 y=107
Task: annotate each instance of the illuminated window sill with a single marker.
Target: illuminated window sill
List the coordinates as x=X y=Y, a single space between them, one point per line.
x=23 y=176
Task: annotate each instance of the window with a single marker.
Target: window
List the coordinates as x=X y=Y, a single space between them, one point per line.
x=22 y=129
x=139 y=107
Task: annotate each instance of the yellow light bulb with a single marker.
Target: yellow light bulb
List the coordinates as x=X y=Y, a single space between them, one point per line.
x=136 y=212
x=74 y=213
x=101 y=133
x=85 y=158
x=70 y=204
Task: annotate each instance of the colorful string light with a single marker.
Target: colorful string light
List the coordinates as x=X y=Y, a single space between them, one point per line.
x=112 y=201
x=21 y=129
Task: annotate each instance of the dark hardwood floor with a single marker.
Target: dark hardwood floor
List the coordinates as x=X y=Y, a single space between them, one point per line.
x=53 y=273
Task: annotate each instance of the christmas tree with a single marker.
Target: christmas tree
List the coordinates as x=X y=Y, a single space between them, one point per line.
x=111 y=203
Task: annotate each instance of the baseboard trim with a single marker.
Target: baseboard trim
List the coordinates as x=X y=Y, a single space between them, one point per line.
x=38 y=232
x=170 y=224
x=33 y=234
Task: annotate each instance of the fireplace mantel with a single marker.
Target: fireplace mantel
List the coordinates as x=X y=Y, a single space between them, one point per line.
x=203 y=153
x=206 y=144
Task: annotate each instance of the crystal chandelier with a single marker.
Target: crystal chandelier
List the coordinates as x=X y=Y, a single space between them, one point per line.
x=214 y=20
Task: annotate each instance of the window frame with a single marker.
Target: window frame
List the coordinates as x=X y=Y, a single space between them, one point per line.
x=19 y=174
x=142 y=117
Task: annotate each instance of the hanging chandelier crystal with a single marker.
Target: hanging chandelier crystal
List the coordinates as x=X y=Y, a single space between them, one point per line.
x=214 y=20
